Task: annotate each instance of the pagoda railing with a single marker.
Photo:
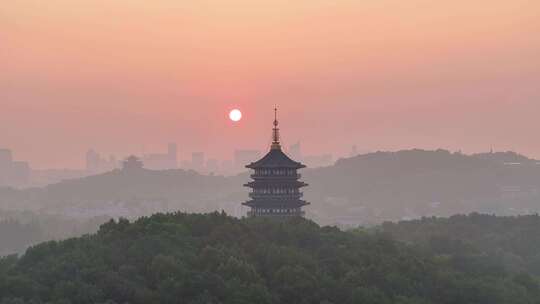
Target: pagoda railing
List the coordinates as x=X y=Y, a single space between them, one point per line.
x=255 y=212
x=276 y=196
x=273 y=177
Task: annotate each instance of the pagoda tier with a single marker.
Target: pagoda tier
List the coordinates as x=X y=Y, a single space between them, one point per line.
x=275 y=186
x=264 y=183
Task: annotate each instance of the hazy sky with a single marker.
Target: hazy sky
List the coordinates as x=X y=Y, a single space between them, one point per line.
x=120 y=75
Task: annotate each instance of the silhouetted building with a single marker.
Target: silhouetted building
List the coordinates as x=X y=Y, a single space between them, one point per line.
x=132 y=163
x=275 y=186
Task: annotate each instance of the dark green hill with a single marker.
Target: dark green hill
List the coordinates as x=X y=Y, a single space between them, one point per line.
x=181 y=258
x=512 y=241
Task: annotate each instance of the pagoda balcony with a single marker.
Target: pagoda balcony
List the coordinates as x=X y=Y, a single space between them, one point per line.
x=273 y=213
x=276 y=196
x=264 y=183
x=275 y=177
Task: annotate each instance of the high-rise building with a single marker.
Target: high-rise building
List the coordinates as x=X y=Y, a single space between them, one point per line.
x=275 y=186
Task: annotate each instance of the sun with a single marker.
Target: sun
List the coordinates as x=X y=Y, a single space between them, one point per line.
x=235 y=115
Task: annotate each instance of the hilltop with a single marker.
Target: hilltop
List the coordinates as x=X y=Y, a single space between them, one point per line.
x=214 y=258
x=408 y=184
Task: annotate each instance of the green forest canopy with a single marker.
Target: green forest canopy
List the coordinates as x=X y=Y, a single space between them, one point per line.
x=214 y=258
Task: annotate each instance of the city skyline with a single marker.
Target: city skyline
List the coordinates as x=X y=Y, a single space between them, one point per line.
x=99 y=161
x=153 y=159
x=21 y=174
x=384 y=75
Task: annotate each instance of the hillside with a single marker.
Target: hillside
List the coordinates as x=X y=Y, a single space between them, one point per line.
x=181 y=258
x=380 y=186
x=510 y=241
x=128 y=194
x=363 y=190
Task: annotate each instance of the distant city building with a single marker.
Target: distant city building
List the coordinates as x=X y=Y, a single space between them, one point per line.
x=131 y=163
x=13 y=173
x=275 y=186
x=165 y=161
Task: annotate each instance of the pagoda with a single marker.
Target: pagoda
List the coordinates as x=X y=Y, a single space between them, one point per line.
x=275 y=186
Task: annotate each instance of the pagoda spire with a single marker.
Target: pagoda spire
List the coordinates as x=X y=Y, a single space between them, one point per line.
x=275 y=133
x=275 y=188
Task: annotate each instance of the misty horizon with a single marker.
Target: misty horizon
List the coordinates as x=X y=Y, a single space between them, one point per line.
x=379 y=75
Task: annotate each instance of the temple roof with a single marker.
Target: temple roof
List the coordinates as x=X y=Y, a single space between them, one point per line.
x=275 y=159
x=293 y=183
x=276 y=203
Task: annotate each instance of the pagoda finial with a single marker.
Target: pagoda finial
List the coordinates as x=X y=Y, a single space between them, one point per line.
x=275 y=132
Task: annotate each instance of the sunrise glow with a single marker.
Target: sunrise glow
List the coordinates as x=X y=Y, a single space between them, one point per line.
x=235 y=115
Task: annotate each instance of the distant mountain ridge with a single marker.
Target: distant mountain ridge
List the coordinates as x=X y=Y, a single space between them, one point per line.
x=365 y=189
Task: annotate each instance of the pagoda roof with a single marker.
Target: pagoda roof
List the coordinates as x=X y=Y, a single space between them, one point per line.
x=275 y=158
x=276 y=203
x=293 y=183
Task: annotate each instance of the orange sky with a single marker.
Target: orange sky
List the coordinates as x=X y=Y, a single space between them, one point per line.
x=117 y=75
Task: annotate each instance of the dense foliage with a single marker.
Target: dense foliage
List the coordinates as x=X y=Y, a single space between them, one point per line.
x=214 y=258
x=513 y=241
